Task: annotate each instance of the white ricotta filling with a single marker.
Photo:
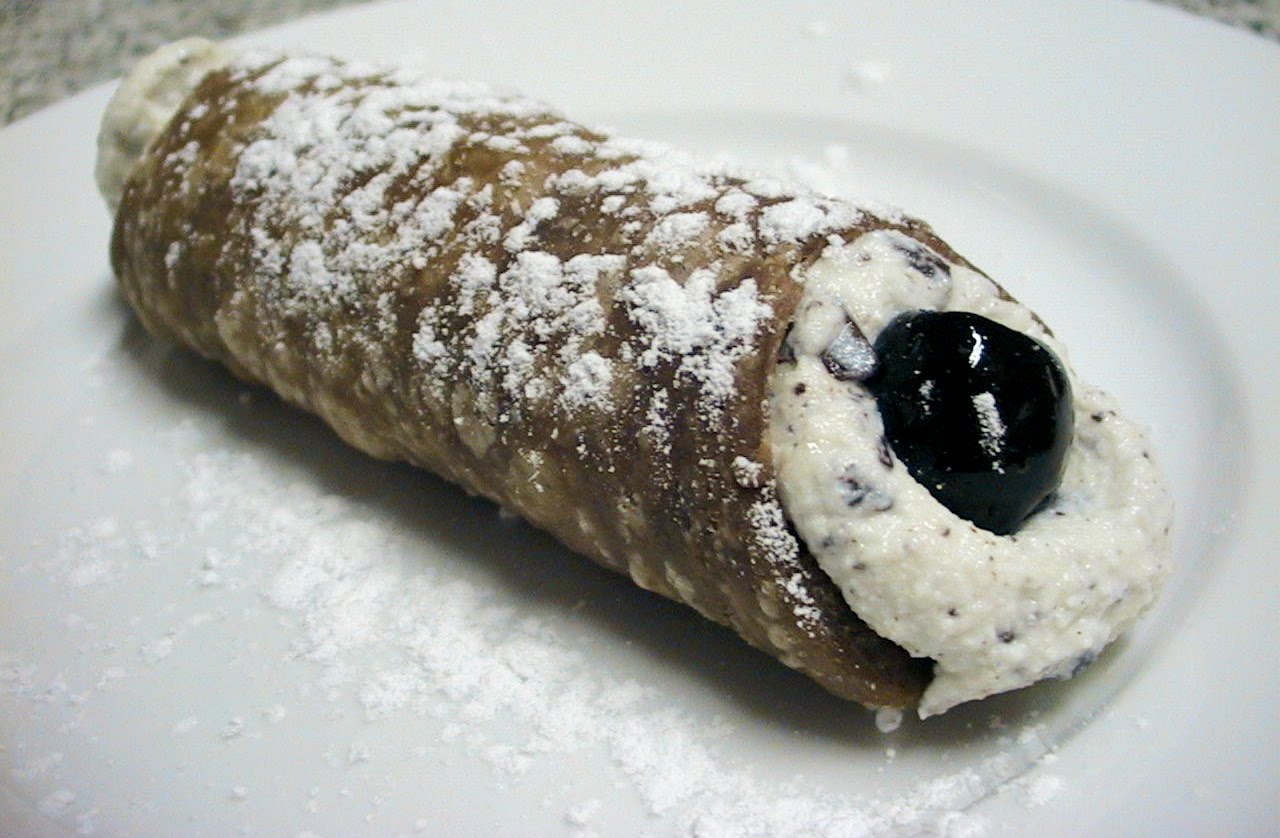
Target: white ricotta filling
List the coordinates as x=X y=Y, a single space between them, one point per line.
x=993 y=612
x=145 y=102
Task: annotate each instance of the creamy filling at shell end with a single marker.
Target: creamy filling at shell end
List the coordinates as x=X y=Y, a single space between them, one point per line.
x=145 y=102
x=994 y=612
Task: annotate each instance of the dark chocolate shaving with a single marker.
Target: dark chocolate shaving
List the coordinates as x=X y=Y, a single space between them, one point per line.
x=923 y=260
x=856 y=492
x=850 y=356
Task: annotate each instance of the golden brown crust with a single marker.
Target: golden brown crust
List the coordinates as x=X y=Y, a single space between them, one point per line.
x=654 y=468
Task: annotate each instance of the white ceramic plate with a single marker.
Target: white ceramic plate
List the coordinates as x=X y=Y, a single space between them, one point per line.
x=215 y=619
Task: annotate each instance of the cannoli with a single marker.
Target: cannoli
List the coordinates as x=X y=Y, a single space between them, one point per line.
x=812 y=422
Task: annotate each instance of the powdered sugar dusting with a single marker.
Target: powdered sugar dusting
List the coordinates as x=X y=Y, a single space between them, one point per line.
x=588 y=381
x=537 y=310
x=327 y=236
x=706 y=333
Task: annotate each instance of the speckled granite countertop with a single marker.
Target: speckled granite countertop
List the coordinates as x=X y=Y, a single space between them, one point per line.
x=50 y=49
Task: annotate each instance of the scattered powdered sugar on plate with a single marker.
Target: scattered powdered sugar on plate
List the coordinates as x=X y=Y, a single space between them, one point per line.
x=888 y=719
x=376 y=622
x=117 y=460
x=865 y=76
x=1042 y=788
x=444 y=647
x=56 y=801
